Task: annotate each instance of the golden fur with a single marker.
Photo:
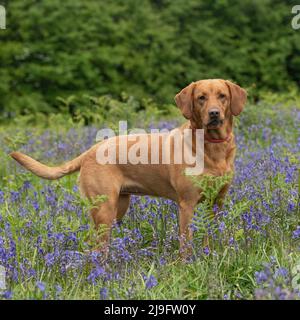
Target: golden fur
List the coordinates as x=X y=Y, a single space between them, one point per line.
x=119 y=181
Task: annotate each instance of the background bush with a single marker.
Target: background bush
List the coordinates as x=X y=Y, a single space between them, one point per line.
x=146 y=48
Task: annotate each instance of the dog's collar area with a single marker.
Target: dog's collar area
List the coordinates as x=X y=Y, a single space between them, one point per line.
x=212 y=140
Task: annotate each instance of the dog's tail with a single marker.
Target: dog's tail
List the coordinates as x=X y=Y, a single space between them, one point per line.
x=43 y=171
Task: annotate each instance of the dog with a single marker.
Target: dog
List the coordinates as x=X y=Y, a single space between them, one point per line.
x=206 y=104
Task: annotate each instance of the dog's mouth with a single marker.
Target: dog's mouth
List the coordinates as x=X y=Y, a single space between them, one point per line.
x=214 y=123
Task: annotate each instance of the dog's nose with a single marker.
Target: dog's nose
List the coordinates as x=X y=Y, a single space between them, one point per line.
x=214 y=113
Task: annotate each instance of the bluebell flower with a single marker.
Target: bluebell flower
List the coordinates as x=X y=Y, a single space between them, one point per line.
x=41 y=285
x=1 y=196
x=103 y=293
x=261 y=277
x=206 y=251
x=296 y=233
x=7 y=294
x=151 y=282
x=222 y=226
x=281 y=272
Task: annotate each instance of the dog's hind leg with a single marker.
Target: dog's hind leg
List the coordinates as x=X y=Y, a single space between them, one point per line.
x=123 y=204
x=95 y=181
x=103 y=217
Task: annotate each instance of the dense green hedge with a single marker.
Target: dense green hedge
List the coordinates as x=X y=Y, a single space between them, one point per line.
x=143 y=47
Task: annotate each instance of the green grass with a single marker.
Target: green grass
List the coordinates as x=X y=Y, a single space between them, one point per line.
x=261 y=186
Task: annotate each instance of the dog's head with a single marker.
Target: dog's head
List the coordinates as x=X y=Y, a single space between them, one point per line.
x=209 y=103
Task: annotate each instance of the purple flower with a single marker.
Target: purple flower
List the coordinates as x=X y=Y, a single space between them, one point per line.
x=291 y=206
x=222 y=226
x=58 y=289
x=7 y=294
x=72 y=237
x=151 y=282
x=15 y=196
x=95 y=274
x=296 y=233
x=231 y=241
x=50 y=259
x=1 y=196
x=27 y=185
x=41 y=285
x=206 y=251
x=261 y=277
x=281 y=272
x=103 y=293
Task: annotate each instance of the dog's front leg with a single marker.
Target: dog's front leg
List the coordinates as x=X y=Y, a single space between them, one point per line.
x=186 y=212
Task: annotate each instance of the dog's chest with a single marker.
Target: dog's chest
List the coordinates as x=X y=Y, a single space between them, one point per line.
x=219 y=161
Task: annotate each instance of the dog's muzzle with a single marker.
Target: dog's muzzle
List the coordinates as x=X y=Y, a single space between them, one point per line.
x=214 y=118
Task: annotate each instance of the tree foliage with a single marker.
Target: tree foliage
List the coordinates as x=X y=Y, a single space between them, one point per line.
x=148 y=48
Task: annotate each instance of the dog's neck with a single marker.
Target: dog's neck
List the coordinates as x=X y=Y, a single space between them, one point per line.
x=222 y=134
x=219 y=146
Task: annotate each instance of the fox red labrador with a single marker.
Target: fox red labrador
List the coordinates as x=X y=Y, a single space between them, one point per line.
x=206 y=104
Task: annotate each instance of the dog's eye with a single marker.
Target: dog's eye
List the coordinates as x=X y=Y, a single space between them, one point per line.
x=222 y=96
x=201 y=98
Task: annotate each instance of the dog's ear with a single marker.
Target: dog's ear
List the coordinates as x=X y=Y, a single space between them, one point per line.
x=238 y=98
x=184 y=100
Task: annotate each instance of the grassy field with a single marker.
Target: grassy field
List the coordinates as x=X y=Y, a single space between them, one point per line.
x=254 y=253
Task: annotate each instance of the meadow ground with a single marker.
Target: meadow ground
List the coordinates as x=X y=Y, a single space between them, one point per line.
x=254 y=253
